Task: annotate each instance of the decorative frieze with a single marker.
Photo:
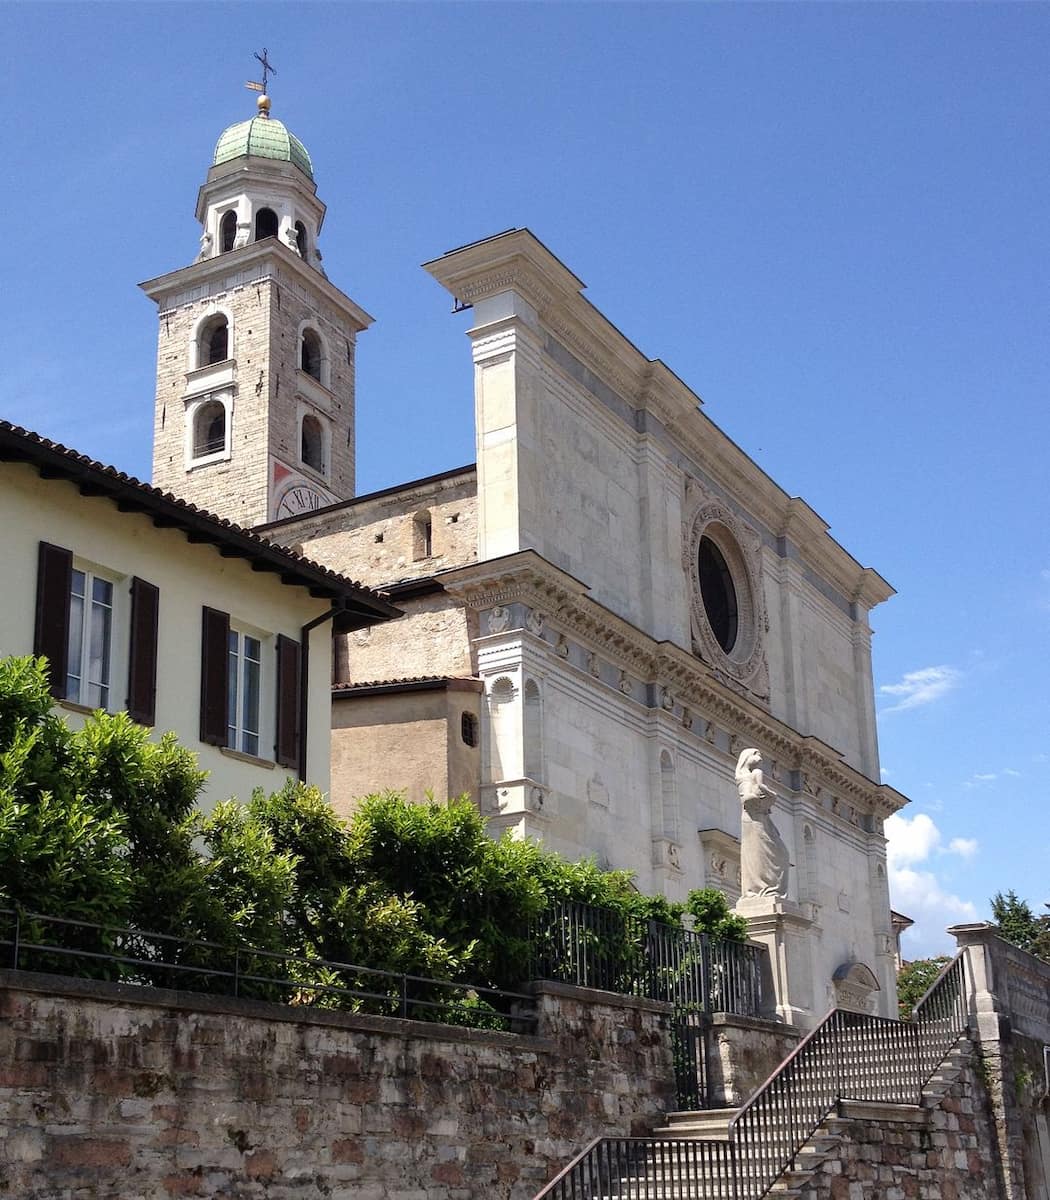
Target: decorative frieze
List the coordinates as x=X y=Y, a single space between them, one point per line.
x=573 y=619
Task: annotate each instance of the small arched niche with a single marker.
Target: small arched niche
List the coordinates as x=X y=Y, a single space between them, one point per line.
x=422 y=535
x=668 y=798
x=855 y=986
x=533 y=732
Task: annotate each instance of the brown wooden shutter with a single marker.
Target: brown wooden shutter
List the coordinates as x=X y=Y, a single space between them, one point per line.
x=215 y=671
x=54 y=579
x=287 y=745
x=142 y=655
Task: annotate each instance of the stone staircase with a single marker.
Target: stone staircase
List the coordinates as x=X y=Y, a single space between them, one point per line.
x=668 y=1179
x=849 y=1076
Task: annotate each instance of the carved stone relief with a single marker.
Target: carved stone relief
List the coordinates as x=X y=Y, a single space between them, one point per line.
x=499 y=619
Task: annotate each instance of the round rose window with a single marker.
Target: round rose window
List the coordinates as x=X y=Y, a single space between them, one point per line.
x=718 y=593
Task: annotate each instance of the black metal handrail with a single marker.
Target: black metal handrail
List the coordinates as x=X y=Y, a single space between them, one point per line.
x=848 y=1056
x=646 y=1168
x=145 y=958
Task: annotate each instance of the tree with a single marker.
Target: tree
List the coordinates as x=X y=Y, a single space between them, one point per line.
x=1020 y=926
x=914 y=980
x=101 y=824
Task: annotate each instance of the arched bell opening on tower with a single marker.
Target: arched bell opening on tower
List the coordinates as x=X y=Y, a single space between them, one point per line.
x=213 y=343
x=265 y=224
x=311 y=443
x=209 y=429
x=300 y=239
x=227 y=231
x=311 y=354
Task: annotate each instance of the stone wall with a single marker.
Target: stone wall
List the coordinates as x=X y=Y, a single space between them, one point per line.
x=1010 y=1004
x=113 y=1092
x=743 y=1053
x=432 y=638
x=944 y=1151
x=376 y=539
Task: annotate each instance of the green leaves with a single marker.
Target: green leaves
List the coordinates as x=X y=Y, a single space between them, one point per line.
x=711 y=915
x=101 y=824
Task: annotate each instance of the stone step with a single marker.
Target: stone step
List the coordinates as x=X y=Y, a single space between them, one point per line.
x=705 y=1124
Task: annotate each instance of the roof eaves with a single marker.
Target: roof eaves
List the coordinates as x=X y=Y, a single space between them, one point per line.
x=55 y=461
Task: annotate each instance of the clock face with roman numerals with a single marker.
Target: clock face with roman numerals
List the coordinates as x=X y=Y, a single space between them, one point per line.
x=298 y=498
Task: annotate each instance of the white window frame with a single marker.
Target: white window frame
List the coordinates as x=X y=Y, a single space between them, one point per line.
x=115 y=666
x=240 y=737
x=193 y=407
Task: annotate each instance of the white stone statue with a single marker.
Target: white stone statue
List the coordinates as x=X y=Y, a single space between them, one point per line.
x=291 y=239
x=205 y=246
x=763 y=855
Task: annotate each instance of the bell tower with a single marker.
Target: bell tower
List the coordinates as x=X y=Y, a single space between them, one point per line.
x=254 y=415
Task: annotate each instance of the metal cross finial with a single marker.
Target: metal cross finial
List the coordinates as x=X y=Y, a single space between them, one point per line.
x=266 y=68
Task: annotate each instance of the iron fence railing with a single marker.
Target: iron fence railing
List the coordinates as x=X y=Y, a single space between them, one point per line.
x=597 y=947
x=61 y=945
x=849 y=1056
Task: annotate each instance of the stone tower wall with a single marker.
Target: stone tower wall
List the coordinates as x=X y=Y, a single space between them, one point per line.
x=235 y=488
x=292 y=304
x=266 y=311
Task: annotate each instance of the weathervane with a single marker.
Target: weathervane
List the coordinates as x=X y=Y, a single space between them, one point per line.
x=266 y=70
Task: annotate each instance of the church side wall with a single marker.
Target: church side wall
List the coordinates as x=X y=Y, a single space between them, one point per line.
x=113 y=1091
x=379 y=541
x=406 y=741
x=432 y=638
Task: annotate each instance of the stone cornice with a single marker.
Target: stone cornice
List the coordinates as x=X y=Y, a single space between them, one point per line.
x=527 y=578
x=264 y=255
x=517 y=261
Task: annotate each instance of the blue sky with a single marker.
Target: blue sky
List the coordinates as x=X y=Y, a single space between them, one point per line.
x=829 y=219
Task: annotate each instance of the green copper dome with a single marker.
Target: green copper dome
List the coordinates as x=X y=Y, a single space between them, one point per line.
x=262 y=137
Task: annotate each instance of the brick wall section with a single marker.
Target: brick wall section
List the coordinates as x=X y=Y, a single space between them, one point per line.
x=110 y=1092
x=432 y=638
x=373 y=540
x=945 y=1152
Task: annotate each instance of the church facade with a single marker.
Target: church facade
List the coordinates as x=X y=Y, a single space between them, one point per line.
x=600 y=614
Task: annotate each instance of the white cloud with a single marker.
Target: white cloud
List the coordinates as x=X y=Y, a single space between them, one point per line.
x=924 y=686
x=911 y=839
x=920 y=896
x=917 y=893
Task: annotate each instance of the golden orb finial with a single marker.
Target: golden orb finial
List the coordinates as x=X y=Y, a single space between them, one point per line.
x=263 y=105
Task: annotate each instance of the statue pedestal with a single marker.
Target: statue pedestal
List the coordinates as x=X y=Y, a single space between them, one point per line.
x=786 y=930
